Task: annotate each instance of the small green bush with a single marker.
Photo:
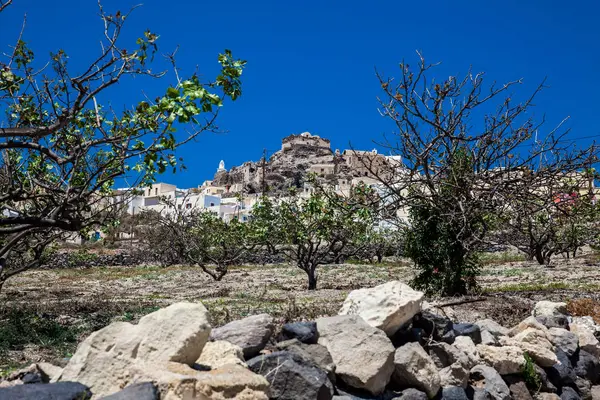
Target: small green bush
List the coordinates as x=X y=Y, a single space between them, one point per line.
x=444 y=266
x=531 y=377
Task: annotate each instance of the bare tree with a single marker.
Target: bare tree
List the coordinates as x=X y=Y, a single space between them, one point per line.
x=465 y=148
x=61 y=151
x=555 y=216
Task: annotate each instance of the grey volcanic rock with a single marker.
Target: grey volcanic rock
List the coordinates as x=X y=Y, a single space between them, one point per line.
x=292 y=377
x=47 y=391
x=306 y=332
x=470 y=330
x=250 y=333
x=562 y=373
x=569 y=393
x=316 y=353
x=492 y=381
x=454 y=393
x=587 y=366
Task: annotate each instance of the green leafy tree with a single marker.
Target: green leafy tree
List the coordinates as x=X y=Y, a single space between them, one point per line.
x=311 y=231
x=380 y=242
x=62 y=150
x=199 y=238
x=438 y=245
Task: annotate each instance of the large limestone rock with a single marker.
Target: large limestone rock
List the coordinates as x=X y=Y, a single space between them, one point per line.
x=415 y=368
x=506 y=359
x=467 y=347
x=536 y=344
x=103 y=361
x=138 y=391
x=219 y=353
x=587 y=340
x=230 y=382
x=549 y=308
x=251 y=333
x=529 y=322
x=387 y=306
x=563 y=339
x=363 y=355
x=454 y=375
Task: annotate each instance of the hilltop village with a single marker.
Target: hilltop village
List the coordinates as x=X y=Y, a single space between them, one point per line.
x=232 y=192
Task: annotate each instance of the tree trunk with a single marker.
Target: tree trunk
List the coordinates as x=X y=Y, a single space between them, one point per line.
x=312 y=278
x=539 y=256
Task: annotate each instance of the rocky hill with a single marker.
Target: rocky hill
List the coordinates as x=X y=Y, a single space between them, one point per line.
x=289 y=167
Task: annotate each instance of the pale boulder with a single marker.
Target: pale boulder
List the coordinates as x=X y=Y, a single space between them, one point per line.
x=546 y=308
x=103 y=361
x=219 y=353
x=529 y=322
x=387 y=306
x=51 y=371
x=466 y=345
x=506 y=359
x=454 y=375
x=363 y=355
x=415 y=368
x=180 y=382
x=542 y=356
x=587 y=340
x=535 y=343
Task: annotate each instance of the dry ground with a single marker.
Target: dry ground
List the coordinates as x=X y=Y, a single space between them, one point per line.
x=81 y=300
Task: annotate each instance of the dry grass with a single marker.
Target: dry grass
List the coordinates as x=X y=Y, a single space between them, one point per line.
x=585 y=307
x=83 y=300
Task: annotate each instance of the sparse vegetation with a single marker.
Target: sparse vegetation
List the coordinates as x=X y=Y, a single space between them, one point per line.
x=585 y=307
x=530 y=375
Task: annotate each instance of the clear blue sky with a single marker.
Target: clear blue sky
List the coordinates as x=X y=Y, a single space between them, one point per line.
x=311 y=63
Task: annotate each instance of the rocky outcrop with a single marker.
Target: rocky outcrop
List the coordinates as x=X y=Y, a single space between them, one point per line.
x=387 y=306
